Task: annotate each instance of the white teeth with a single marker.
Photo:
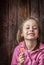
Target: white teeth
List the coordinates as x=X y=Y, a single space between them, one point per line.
x=30 y=34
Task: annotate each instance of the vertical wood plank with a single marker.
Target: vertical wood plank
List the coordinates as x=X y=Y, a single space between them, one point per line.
x=42 y=17
x=34 y=8
x=23 y=10
x=12 y=25
x=4 y=30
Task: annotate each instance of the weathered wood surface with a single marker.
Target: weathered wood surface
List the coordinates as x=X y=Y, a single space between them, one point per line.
x=12 y=13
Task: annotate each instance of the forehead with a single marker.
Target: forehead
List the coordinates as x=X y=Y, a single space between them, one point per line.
x=30 y=22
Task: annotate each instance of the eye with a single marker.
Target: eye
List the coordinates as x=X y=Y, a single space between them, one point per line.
x=35 y=27
x=27 y=27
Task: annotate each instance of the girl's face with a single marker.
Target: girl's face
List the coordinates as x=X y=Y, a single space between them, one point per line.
x=30 y=30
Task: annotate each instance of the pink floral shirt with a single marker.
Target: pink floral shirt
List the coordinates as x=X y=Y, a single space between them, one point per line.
x=35 y=57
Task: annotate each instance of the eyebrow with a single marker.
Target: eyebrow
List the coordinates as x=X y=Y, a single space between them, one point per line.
x=29 y=25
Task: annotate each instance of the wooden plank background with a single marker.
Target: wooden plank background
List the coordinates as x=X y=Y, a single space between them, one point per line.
x=12 y=13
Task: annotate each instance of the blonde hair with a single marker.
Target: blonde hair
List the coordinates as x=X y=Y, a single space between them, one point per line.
x=21 y=38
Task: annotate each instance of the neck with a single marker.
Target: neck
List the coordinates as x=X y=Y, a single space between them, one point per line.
x=30 y=44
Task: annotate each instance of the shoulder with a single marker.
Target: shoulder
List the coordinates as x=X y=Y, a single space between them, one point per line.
x=41 y=52
x=40 y=56
x=41 y=45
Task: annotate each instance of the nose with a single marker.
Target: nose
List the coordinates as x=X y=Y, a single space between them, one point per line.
x=31 y=28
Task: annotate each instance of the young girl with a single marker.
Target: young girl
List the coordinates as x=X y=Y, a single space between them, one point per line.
x=29 y=51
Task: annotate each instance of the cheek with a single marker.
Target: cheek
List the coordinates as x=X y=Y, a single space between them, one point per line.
x=24 y=31
x=36 y=33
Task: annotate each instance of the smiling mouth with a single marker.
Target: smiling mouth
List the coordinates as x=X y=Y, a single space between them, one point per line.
x=31 y=34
